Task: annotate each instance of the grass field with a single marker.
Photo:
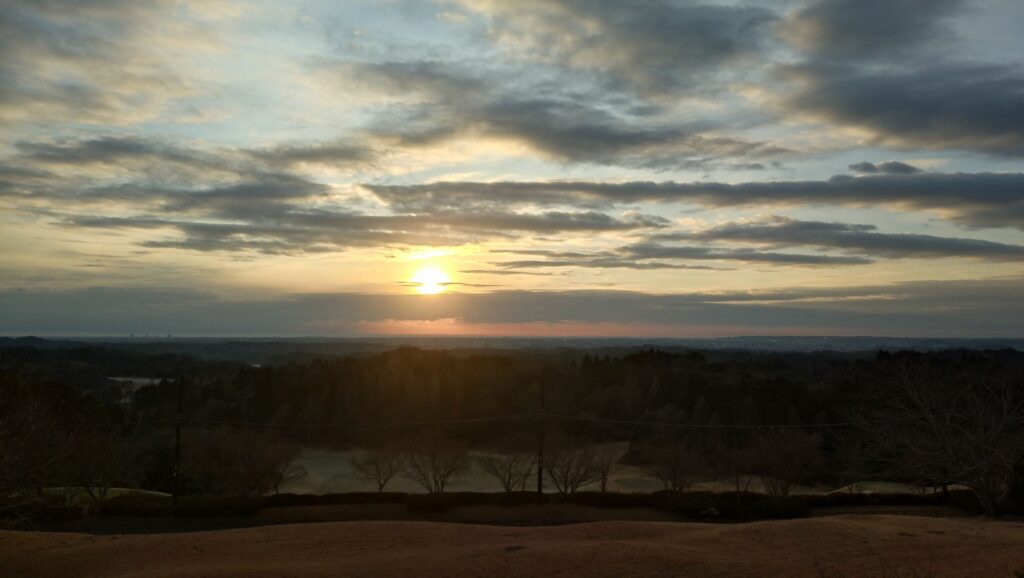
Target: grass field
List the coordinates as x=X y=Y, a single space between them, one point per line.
x=834 y=547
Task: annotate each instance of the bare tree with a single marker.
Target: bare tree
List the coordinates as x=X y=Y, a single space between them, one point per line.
x=434 y=460
x=677 y=464
x=786 y=458
x=101 y=462
x=605 y=458
x=288 y=472
x=237 y=462
x=950 y=424
x=739 y=465
x=857 y=460
x=512 y=470
x=377 y=465
x=570 y=463
x=34 y=443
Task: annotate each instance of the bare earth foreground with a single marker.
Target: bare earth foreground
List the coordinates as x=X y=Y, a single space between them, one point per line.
x=831 y=546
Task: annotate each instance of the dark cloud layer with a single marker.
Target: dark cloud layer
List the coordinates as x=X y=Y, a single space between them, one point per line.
x=872 y=29
x=888 y=167
x=863 y=239
x=261 y=205
x=891 y=67
x=654 y=46
x=293 y=231
x=961 y=308
x=643 y=256
x=598 y=262
x=658 y=251
x=975 y=199
x=570 y=118
x=944 y=106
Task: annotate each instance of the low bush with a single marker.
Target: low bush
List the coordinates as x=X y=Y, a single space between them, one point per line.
x=136 y=505
x=38 y=511
x=493 y=499
x=289 y=500
x=366 y=498
x=959 y=498
x=730 y=505
x=188 y=506
x=430 y=503
x=689 y=503
x=607 y=500
x=765 y=508
x=215 y=506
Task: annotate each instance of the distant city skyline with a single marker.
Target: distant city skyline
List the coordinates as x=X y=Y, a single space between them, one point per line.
x=655 y=168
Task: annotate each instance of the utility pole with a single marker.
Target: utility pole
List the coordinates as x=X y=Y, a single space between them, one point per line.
x=177 y=445
x=540 y=448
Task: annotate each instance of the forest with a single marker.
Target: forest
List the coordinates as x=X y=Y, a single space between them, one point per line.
x=68 y=417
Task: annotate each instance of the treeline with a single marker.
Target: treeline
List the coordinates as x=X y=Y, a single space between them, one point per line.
x=412 y=384
x=787 y=419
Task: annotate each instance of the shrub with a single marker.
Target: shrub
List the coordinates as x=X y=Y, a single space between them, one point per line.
x=285 y=500
x=136 y=505
x=774 y=508
x=433 y=503
x=608 y=500
x=211 y=506
x=38 y=511
x=493 y=499
x=188 y=506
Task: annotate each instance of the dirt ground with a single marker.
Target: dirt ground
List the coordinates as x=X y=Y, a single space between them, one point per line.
x=855 y=545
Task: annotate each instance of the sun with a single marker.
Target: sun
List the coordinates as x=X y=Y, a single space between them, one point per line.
x=430 y=280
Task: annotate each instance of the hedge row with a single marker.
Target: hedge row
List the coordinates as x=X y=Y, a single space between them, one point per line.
x=288 y=500
x=726 y=505
x=188 y=506
x=37 y=511
x=660 y=500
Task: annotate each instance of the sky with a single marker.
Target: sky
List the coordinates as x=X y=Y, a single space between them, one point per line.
x=653 y=168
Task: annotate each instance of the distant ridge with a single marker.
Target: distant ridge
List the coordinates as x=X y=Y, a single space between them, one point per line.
x=260 y=349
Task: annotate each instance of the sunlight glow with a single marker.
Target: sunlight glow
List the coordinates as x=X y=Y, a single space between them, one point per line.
x=430 y=280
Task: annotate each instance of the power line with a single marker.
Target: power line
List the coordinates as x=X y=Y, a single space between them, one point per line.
x=711 y=426
x=515 y=417
x=535 y=416
x=365 y=424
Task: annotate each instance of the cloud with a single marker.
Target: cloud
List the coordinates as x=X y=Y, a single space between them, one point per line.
x=404 y=82
x=567 y=117
x=861 y=239
x=103 y=150
x=639 y=256
x=503 y=272
x=352 y=154
x=294 y=230
x=988 y=307
x=658 y=251
x=888 y=168
x=871 y=29
x=599 y=262
x=250 y=200
x=653 y=46
x=102 y=62
x=973 y=199
x=148 y=155
x=894 y=69
x=941 y=106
